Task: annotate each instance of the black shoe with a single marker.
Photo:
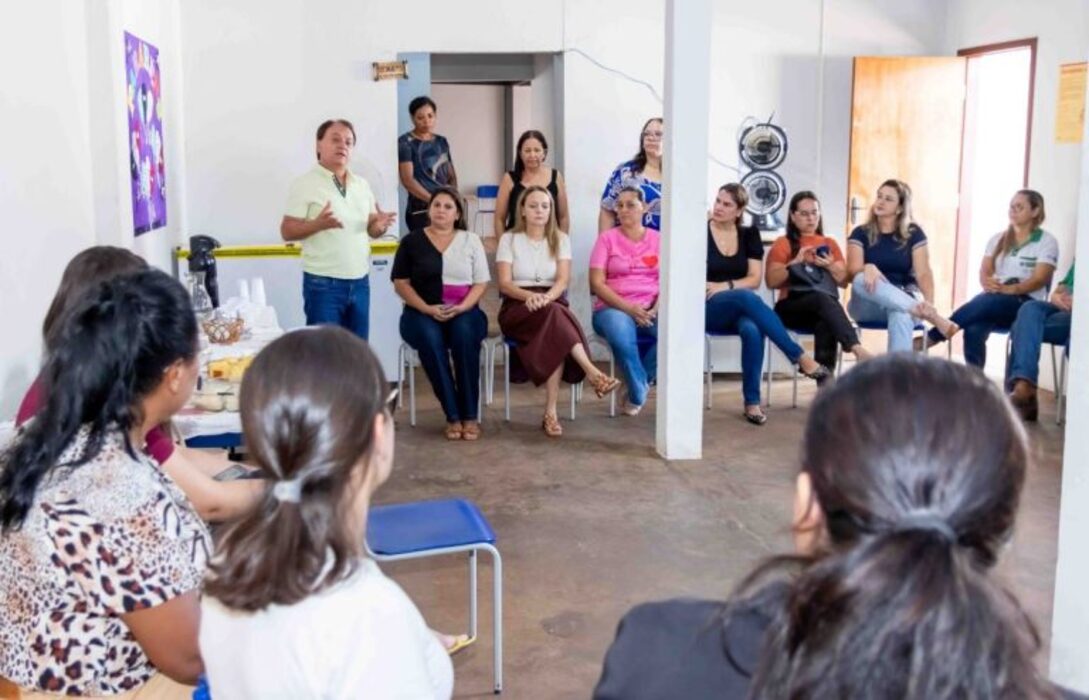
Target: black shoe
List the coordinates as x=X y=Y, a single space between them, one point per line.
x=755 y=418
x=819 y=375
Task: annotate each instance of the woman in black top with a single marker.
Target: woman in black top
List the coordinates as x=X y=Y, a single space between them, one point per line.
x=891 y=593
x=735 y=257
x=529 y=170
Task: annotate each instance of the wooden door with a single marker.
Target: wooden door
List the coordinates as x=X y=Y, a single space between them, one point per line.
x=907 y=116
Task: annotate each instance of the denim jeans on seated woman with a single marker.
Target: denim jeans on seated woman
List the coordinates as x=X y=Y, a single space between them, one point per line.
x=978 y=317
x=743 y=312
x=338 y=302
x=439 y=342
x=637 y=361
x=1038 y=322
x=886 y=303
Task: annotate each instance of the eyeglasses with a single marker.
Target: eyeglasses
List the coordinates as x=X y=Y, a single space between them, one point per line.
x=653 y=135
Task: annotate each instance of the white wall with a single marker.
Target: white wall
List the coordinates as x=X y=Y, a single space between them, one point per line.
x=471 y=118
x=45 y=157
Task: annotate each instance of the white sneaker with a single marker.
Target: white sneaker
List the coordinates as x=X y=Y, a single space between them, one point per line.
x=626 y=406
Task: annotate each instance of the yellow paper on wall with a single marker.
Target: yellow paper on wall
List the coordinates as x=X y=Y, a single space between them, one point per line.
x=1070 y=115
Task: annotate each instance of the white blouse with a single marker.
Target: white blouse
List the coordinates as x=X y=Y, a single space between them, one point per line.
x=532 y=264
x=363 y=638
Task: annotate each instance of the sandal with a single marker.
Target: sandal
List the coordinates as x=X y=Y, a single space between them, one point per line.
x=551 y=425
x=756 y=418
x=603 y=385
x=459 y=642
x=470 y=431
x=453 y=431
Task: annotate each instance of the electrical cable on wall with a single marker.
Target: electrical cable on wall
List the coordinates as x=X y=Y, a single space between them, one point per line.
x=653 y=92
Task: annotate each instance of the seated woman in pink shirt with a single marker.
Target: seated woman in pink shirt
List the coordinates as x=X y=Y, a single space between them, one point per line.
x=193 y=470
x=624 y=278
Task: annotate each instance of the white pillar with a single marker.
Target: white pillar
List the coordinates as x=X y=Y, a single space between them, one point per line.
x=1070 y=612
x=684 y=243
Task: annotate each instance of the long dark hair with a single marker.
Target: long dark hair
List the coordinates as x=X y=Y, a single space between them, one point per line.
x=308 y=406
x=1009 y=238
x=793 y=234
x=640 y=158
x=111 y=351
x=83 y=273
x=917 y=465
x=519 y=166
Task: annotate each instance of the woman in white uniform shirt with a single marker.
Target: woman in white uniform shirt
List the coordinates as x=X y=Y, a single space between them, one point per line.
x=293 y=607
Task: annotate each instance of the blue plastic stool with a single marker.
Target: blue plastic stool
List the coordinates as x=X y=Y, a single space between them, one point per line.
x=484 y=192
x=432 y=528
x=202 y=691
x=226 y=441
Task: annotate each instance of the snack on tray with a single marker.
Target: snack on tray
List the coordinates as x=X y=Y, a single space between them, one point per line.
x=230 y=369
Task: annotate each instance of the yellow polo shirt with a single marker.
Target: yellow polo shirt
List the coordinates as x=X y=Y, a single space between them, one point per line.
x=343 y=253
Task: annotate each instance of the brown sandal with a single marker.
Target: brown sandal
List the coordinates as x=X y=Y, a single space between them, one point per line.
x=551 y=425
x=603 y=385
x=454 y=431
x=470 y=431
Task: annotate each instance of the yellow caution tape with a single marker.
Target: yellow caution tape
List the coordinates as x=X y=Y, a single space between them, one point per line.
x=283 y=250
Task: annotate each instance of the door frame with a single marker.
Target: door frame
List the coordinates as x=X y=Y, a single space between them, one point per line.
x=1009 y=46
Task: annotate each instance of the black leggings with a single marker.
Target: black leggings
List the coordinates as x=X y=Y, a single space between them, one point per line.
x=824 y=317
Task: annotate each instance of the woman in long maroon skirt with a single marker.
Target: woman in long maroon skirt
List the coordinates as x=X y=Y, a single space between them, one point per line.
x=533 y=264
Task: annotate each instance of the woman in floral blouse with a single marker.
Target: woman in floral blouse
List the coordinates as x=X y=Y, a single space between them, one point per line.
x=101 y=555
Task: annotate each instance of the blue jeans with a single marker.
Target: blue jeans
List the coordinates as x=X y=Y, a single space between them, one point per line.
x=634 y=347
x=458 y=390
x=886 y=303
x=1037 y=322
x=338 y=302
x=744 y=313
x=978 y=317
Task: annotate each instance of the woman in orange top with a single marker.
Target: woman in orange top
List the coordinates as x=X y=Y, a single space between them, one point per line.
x=808 y=270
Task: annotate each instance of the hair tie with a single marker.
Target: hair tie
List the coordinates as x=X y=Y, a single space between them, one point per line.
x=928 y=522
x=289 y=491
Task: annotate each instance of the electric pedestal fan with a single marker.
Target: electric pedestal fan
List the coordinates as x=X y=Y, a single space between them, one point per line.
x=763 y=147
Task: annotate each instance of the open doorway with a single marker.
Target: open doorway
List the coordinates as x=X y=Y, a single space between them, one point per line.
x=485 y=102
x=994 y=157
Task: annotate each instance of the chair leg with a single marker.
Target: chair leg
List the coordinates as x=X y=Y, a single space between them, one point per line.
x=794 y=394
x=612 y=394
x=412 y=390
x=767 y=374
x=574 y=397
x=707 y=374
x=400 y=375
x=481 y=387
x=506 y=382
x=472 y=594
x=497 y=617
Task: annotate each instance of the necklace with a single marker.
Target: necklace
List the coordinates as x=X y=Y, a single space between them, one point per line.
x=536 y=246
x=342 y=188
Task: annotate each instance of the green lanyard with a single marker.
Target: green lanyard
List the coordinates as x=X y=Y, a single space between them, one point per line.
x=343 y=189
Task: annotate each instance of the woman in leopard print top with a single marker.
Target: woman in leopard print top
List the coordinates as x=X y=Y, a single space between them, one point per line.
x=101 y=555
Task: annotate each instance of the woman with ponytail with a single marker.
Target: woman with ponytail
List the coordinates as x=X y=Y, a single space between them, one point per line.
x=902 y=507
x=294 y=608
x=101 y=555
x=193 y=470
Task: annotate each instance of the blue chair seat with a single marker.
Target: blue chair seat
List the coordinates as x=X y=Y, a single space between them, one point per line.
x=226 y=441
x=882 y=326
x=425 y=525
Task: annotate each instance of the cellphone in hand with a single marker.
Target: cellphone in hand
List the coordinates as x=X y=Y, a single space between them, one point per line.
x=823 y=251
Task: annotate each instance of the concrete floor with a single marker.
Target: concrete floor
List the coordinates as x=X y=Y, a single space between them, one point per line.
x=595 y=522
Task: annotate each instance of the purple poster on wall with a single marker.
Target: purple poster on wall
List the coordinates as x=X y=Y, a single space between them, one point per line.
x=147 y=167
